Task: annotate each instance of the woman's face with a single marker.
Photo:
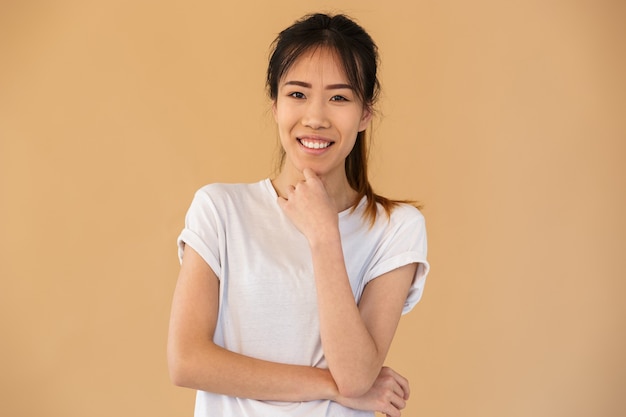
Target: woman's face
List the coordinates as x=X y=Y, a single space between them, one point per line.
x=318 y=115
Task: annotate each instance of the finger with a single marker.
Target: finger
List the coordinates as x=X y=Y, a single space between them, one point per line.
x=399 y=391
x=391 y=411
x=403 y=382
x=398 y=402
x=402 y=388
x=282 y=202
x=308 y=174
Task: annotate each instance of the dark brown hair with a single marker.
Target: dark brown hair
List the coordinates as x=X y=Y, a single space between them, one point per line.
x=359 y=56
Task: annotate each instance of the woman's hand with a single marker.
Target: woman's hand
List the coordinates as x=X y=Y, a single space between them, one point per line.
x=388 y=395
x=309 y=207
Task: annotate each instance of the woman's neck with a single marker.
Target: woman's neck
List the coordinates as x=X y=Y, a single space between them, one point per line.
x=337 y=187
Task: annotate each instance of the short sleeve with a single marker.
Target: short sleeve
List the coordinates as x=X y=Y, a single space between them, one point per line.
x=404 y=243
x=202 y=231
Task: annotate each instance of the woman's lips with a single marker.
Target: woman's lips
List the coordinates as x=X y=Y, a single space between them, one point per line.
x=314 y=144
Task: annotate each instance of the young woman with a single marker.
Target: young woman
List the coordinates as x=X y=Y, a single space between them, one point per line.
x=291 y=289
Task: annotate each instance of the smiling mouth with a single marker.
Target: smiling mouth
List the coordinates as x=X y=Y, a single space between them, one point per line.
x=315 y=144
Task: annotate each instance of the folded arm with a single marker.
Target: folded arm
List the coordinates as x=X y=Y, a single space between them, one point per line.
x=195 y=361
x=355 y=338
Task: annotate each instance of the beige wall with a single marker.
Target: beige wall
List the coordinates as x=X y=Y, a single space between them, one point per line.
x=505 y=118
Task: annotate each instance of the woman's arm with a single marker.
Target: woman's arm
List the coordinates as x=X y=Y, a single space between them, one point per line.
x=195 y=361
x=388 y=395
x=355 y=339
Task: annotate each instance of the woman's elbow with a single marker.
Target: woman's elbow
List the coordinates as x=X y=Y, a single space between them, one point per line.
x=179 y=369
x=354 y=387
x=177 y=372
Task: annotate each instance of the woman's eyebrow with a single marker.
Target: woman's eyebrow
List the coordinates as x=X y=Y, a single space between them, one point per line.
x=328 y=87
x=339 y=87
x=298 y=83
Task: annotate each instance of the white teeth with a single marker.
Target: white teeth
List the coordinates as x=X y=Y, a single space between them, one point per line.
x=315 y=144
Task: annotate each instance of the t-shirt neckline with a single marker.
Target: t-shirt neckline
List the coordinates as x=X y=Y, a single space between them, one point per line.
x=349 y=210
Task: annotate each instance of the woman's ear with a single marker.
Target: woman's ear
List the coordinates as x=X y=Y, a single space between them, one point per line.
x=365 y=118
x=274 y=110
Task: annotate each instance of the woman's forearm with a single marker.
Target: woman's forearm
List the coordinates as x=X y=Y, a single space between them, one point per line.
x=223 y=372
x=195 y=361
x=352 y=355
x=209 y=367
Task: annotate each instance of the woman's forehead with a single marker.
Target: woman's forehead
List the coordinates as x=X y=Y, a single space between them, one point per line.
x=319 y=64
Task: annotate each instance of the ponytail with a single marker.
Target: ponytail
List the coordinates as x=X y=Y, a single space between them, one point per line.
x=356 y=171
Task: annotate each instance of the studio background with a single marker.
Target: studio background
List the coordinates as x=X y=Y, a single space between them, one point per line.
x=506 y=119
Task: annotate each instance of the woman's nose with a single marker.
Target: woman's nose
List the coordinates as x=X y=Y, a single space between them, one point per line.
x=315 y=116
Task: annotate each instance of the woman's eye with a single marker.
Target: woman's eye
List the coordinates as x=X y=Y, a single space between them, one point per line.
x=296 y=94
x=338 y=98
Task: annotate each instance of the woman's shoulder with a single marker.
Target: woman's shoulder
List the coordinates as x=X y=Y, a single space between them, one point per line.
x=400 y=217
x=401 y=213
x=234 y=197
x=221 y=190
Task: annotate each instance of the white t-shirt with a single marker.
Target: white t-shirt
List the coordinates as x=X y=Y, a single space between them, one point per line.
x=267 y=300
